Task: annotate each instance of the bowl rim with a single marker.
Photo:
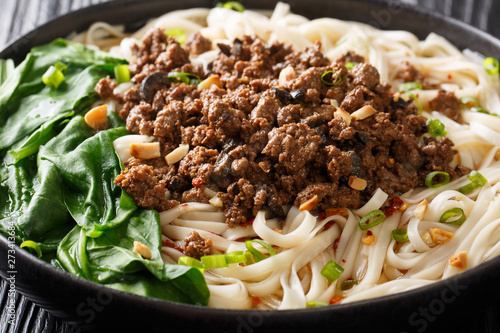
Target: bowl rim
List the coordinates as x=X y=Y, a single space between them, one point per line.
x=473 y=275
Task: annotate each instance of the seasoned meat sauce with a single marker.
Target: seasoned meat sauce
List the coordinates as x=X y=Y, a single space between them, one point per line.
x=271 y=135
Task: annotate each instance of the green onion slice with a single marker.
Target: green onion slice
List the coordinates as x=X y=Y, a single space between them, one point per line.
x=237 y=257
x=453 y=212
x=380 y=217
x=469 y=102
x=407 y=86
x=315 y=304
x=178 y=34
x=233 y=5
x=187 y=78
x=53 y=77
x=415 y=99
x=479 y=109
x=436 y=128
x=330 y=83
x=430 y=177
x=350 y=65
x=214 y=261
x=122 y=73
x=332 y=270
x=257 y=255
x=476 y=179
x=348 y=284
x=491 y=65
x=33 y=246
x=188 y=261
x=400 y=235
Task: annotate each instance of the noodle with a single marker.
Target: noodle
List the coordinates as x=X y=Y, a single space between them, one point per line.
x=292 y=277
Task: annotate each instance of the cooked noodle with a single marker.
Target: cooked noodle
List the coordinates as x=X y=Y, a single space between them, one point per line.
x=293 y=277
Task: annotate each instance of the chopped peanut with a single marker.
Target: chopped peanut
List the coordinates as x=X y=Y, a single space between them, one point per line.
x=336 y=211
x=365 y=112
x=440 y=236
x=344 y=115
x=426 y=237
x=421 y=209
x=142 y=249
x=208 y=82
x=368 y=239
x=357 y=183
x=459 y=260
x=286 y=74
x=97 y=118
x=145 y=150
x=177 y=154
x=216 y=201
x=309 y=204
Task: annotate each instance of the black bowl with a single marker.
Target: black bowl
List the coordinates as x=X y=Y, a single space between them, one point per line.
x=443 y=305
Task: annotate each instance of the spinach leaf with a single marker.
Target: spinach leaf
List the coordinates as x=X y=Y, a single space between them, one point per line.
x=109 y=260
x=26 y=103
x=88 y=171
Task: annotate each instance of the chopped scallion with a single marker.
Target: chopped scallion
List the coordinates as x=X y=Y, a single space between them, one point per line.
x=400 y=235
x=332 y=270
x=214 y=261
x=188 y=261
x=178 y=34
x=313 y=304
x=348 y=284
x=479 y=109
x=430 y=178
x=187 y=78
x=408 y=86
x=237 y=257
x=53 y=77
x=365 y=224
x=330 y=82
x=257 y=255
x=451 y=213
x=469 y=102
x=33 y=246
x=122 y=74
x=233 y=5
x=436 y=128
x=406 y=96
x=350 y=65
x=491 y=65
x=476 y=179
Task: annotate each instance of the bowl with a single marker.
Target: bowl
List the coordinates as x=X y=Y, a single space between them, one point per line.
x=443 y=305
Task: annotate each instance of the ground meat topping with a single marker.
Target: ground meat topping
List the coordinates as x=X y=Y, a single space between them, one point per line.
x=197 y=246
x=262 y=140
x=447 y=103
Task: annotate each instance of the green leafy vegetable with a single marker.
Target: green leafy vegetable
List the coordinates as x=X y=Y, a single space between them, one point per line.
x=56 y=180
x=6 y=68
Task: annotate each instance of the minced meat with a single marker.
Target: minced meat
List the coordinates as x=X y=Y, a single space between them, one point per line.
x=261 y=142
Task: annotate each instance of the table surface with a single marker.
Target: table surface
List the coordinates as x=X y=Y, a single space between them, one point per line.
x=18 y=17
